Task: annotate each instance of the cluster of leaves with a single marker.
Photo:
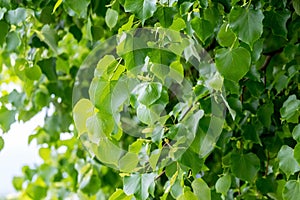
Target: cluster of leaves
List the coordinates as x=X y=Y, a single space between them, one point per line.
x=255 y=46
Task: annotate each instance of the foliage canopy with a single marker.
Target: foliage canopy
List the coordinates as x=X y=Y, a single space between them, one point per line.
x=250 y=152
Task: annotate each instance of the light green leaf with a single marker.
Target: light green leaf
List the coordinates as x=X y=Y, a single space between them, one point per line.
x=201 y=189
x=79 y=8
x=247 y=24
x=287 y=162
x=296 y=133
x=49 y=36
x=297 y=153
x=148 y=93
x=233 y=64
x=245 y=166
x=139 y=184
x=1 y=143
x=12 y=41
x=226 y=37
x=296 y=5
x=111 y=18
x=120 y=195
x=16 y=16
x=149 y=115
x=203 y=28
x=143 y=9
x=291 y=190
x=187 y=195
x=81 y=112
x=128 y=162
x=7 y=117
x=176 y=71
x=290 y=109
x=33 y=73
x=57 y=4
x=178 y=24
x=107 y=152
x=223 y=184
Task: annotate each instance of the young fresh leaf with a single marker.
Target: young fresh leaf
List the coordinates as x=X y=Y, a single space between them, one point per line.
x=111 y=18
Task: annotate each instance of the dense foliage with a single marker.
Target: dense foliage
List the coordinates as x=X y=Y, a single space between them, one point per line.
x=185 y=146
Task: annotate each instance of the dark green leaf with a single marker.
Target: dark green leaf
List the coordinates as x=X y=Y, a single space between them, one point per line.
x=264 y=114
x=48 y=67
x=276 y=20
x=4 y=27
x=245 y=166
x=165 y=15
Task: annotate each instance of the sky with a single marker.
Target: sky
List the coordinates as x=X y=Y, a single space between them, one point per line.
x=17 y=152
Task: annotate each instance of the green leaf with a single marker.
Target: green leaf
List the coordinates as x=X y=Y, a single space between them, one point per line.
x=139 y=184
x=296 y=133
x=111 y=18
x=90 y=182
x=57 y=4
x=148 y=93
x=226 y=37
x=290 y=109
x=187 y=195
x=201 y=189
x=12 y=41
x=276 y=20
x=291 y=190
x=223 y=184
x=4 y=27
x=165 y=15
x=107 y=152
x=18 y=182
x=128 y=162
x=245 y=166
x=176 y=71
x=296 y=5
x=233 y=64
x=287 y=162
x=48 y=67
x=83 y=110
x=264 y=114
x=16 y=16
x=247 y=24
x=7 y=117
x=143 y=9
x=1 y=143
x=49 y=36
x=203 y=28
x=33 y=73
x=79 y=8
x=297 y=153
x=120 y=195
